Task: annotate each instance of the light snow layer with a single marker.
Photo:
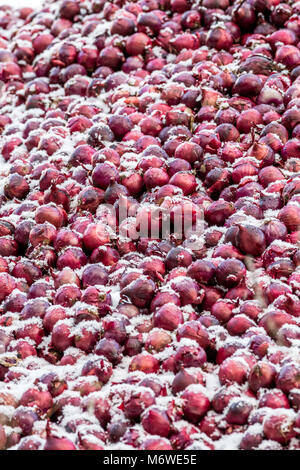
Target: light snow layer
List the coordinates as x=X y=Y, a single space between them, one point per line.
x=22 y=3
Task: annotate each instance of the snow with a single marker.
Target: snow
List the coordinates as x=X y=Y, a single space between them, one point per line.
x=22 y=3
x=32 y=368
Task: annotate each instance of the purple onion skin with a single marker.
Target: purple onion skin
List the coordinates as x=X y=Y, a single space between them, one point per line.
x=150 y=225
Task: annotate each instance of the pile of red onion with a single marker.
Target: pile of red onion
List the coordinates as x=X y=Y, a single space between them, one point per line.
x=149 y=225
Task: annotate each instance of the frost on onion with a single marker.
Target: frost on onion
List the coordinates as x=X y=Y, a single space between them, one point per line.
x=149 y=225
